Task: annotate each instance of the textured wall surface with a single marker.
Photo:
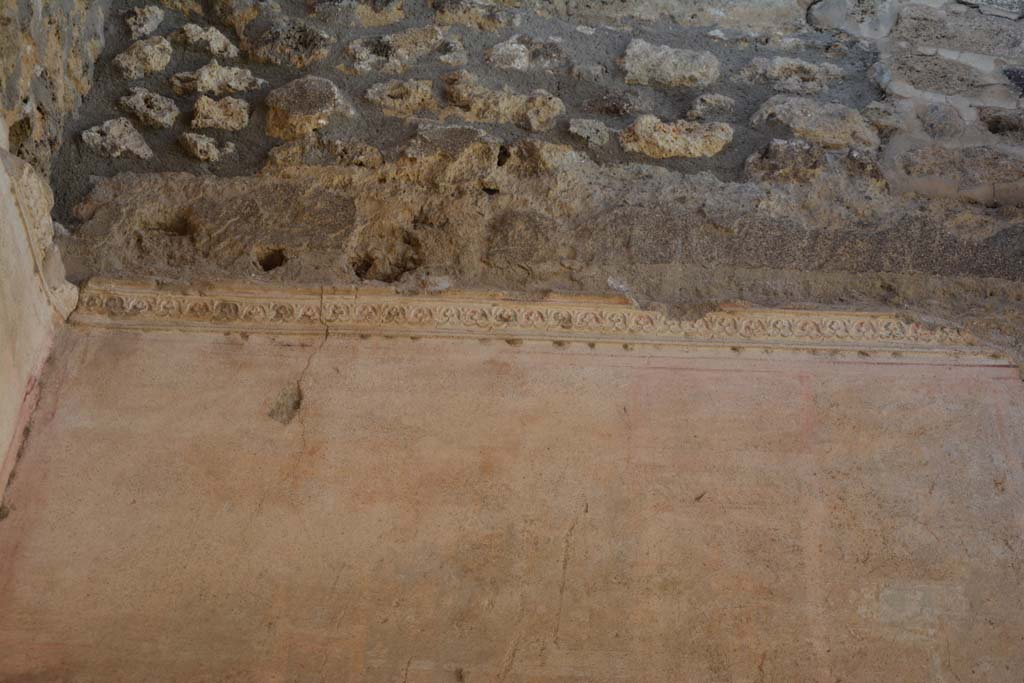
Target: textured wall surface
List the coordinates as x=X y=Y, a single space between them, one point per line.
x=836 y=153
x=47 y=52
x=209 y=507
x=34 y=298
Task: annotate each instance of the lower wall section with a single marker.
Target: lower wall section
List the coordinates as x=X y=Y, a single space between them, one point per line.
x=210 y=507
x=33 y=298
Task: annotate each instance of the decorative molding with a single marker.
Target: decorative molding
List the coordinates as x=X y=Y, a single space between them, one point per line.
x=239 y=307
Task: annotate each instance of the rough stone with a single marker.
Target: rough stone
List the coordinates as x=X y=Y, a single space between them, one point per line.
x=151 y=109
x=207 y=38
x=205 y=148
x=937 y=76
x=1008 y=124
x=655 y=138
x=476 y=102
x=144 y=57
x=479 y=14
x=826 y=123
x=648 y=64
x=595 y=133
x=403 y=98
x=286 y=40
x=393 y=53
x=238 y=14
x=862 y=18
x=186 y=7
x=941 y=120
x=142 y=21
x=592 y=73
x=980 y=173
x=523 y=53
x=790 y=75
x=228 y=113
x=802 y=162
x=854 y=231
x=302 y=106
x=884 y=116
x=315 y=150
x=708 y=104
x=116 y=138
x=214 y=79
x=360 y=13
x=452 y=52
x=1009 y=9
x=47 y=53
x=737 y=15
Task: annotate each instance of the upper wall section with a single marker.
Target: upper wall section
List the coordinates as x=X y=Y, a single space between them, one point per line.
x=838 y=153
x=47 y=52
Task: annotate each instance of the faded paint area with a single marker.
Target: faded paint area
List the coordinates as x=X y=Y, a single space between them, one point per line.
x=466 y=511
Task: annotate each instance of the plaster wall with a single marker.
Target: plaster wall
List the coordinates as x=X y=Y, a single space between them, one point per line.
x=233 y=506
x=33 y=297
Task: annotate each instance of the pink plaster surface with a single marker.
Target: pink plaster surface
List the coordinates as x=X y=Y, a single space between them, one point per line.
x=466 y=511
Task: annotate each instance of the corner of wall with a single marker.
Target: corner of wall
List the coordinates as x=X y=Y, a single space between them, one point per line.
x=35 y=299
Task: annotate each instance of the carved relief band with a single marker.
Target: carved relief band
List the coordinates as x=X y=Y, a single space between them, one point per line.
x=230 y=306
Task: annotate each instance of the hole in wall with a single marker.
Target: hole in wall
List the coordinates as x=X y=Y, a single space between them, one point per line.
x=19 y=133
x=178 y=226
x=272 y=259
x=503 y=155
x=362 y=265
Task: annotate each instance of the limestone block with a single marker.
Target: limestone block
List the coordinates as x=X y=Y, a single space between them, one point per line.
x=708 y=104
x=144 y=57
x=393 y=53
x=403 y=98
x=655 y=138
x=476 y=102
x=214 y=79
x=1009 y=9
x=186 y=7
x=365 y=13
x=205 y=148
x=207 y=38
x=648 y=64
x=142 y=21
x=862 y=18
x=789 y=75
x=595 y=133
x=480 y=14
x=151 y=109
x=523 y=53
x=980 y=173
x=288 y=41
x=302 y=106
x=228 y=113
x=116 y=138
x=941 y=120
x=828 y=124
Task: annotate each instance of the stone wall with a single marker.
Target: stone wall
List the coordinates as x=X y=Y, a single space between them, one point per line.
x=686 y=154
x=839 y=152
x=47 y=52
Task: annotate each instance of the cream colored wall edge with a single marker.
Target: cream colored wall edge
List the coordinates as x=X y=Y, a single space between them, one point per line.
x=34 y=298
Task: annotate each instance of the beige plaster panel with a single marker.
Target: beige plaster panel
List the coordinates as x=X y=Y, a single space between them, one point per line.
x=33 y=296
x=458 y=510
